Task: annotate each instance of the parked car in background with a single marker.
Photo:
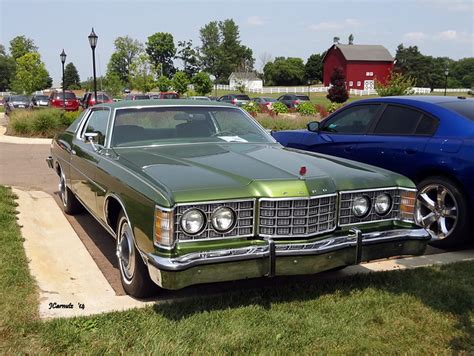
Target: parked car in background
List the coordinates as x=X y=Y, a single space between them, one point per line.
x=268 y=102
x=40 y=100
x=199 y=98
x=56 y=100
x=168 y=95
x=15 y=102
x=198 y=192
x=235 y=99
x=137 y=97
x=213 y=98
x=428 y=139
x=293 y=100
x=89 y=99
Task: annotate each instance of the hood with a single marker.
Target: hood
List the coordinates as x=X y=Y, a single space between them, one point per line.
x=249 y=170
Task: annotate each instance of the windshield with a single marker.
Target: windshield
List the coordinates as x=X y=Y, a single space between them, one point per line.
x=41 y=97
x=302 y=97
x=70 y=96
x=19 y=98
x=464 y=107
x=166 y=125
x=242 y=97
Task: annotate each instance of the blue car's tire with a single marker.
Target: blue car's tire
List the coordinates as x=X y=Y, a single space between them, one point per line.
x=441 y=208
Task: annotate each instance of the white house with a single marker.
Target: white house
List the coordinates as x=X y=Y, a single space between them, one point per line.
x=249 y=79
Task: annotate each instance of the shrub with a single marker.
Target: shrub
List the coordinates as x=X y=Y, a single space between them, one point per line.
x=306 y=108
x=338 y=91
x=333 y=107
x=252 y=108
x=397 y=84
x=283 y=123
x=20 y=127
x=322 y=111
x=279 y=108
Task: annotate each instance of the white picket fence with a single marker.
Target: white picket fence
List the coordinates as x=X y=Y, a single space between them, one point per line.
x=321 y=89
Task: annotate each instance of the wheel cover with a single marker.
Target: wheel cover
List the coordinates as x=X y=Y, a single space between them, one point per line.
x=62 y=188
x=126 y=251
x=436 y=210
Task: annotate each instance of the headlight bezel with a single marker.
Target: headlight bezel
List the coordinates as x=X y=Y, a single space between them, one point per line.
x=231 y=226
x=203 y=224
x=367 y=210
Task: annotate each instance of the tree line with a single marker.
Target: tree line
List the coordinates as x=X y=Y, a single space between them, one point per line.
x=153 y=64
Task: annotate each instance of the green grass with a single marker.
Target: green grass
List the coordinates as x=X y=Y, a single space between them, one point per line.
x=422 y=311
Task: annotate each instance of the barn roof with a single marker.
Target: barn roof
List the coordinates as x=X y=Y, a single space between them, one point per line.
x=363 y=52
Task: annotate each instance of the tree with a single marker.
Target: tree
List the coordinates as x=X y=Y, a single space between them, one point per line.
x=189 y=56
x=126 y=51
x=161 y=50
x=31 y=74
x=222 y=52
x=338 y=91
x=202 y=83
x=163 y=83
x=462 y=71
x=396 y=84
x=20 y=45
x=142 y=73
x=7 y=70
x=264 y=59
x=313 y=69
x=180 y=82
x=112 y=84
x=71 y=77
x=284 y=71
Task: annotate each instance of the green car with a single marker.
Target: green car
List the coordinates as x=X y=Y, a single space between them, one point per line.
x=198 y=192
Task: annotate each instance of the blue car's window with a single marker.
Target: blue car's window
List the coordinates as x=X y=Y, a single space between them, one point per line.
x=462 y=107
x=354 y=120
x=397 y=120
x=427 y=126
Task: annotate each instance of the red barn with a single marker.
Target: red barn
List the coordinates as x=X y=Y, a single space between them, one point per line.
x=361 y=64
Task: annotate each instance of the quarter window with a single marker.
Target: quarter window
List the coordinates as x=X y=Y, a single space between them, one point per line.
x=397 y=120
x=97 y=123
x=355 y=120
x=427 y=126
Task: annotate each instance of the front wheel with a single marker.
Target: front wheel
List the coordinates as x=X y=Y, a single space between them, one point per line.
x=441 y=209
x=134 y=274
x=71 y=205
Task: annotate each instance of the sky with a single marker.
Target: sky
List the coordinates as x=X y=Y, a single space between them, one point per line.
x=277 y=28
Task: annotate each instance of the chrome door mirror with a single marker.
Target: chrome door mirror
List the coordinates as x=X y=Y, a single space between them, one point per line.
x=313 y=126
x=92 y=138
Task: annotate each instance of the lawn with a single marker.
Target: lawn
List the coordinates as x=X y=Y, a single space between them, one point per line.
x=423 y=311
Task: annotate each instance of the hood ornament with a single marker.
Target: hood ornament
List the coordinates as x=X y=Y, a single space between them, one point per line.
x=302 y=172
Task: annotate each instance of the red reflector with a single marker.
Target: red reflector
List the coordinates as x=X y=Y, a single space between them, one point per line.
x=302 y=171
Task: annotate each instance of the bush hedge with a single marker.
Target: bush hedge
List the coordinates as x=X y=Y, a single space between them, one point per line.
x=40 y=123
x=306 y=108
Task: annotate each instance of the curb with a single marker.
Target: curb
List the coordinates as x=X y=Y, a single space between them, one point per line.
x=20 y=140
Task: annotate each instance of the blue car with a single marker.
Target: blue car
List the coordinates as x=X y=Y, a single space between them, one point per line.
x=428 y=139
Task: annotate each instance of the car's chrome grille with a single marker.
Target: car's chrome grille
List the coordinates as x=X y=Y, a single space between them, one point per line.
x=245 y=212
x=297 y=217
x=347 y=217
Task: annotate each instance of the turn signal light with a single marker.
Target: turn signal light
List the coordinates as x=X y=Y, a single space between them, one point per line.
x=407 y=205
x=164 y=228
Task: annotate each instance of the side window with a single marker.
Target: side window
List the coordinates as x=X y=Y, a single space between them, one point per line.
x=355 y=120
x=397 y=120
x=97 y=122
x=427 y=126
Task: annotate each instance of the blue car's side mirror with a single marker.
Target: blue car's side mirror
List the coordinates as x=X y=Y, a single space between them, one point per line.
x=313 y=126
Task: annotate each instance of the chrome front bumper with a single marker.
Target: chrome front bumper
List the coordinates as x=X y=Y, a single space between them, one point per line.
x=284 y=258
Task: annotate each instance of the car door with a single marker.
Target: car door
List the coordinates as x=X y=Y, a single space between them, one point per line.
x=342 y=133
x=398 y=139
x=85 y=158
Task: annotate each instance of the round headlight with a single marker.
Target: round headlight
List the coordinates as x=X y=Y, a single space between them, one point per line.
x=360 y=206
x=223 y=219
x=383 y=203
x=193 y=221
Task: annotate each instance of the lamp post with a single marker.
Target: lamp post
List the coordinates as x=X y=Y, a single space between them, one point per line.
x=63 y=60
x=93 y=42
x=309 y=89
x=446 y=73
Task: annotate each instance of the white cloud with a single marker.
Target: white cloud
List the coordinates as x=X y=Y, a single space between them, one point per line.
x=450 y=5
x=415 y=36
x=447 y=35
x=335 y=25
x=256 y=21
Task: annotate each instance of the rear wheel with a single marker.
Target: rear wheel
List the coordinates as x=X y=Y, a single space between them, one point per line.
x=134 y=274
x=71 y=205
x=441 y=209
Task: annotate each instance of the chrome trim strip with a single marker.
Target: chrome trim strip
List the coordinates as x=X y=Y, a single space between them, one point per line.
x=330 y=244
x=375 y=190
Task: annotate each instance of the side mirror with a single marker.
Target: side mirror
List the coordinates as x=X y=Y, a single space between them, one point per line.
x=92 y=138
x=313 y=126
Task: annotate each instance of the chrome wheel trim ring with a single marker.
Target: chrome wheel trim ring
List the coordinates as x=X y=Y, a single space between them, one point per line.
x=62 y=188
x=126 y=251
x=436 y=210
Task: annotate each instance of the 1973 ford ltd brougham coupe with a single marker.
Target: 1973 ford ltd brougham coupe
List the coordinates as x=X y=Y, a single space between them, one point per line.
x=198 y=192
